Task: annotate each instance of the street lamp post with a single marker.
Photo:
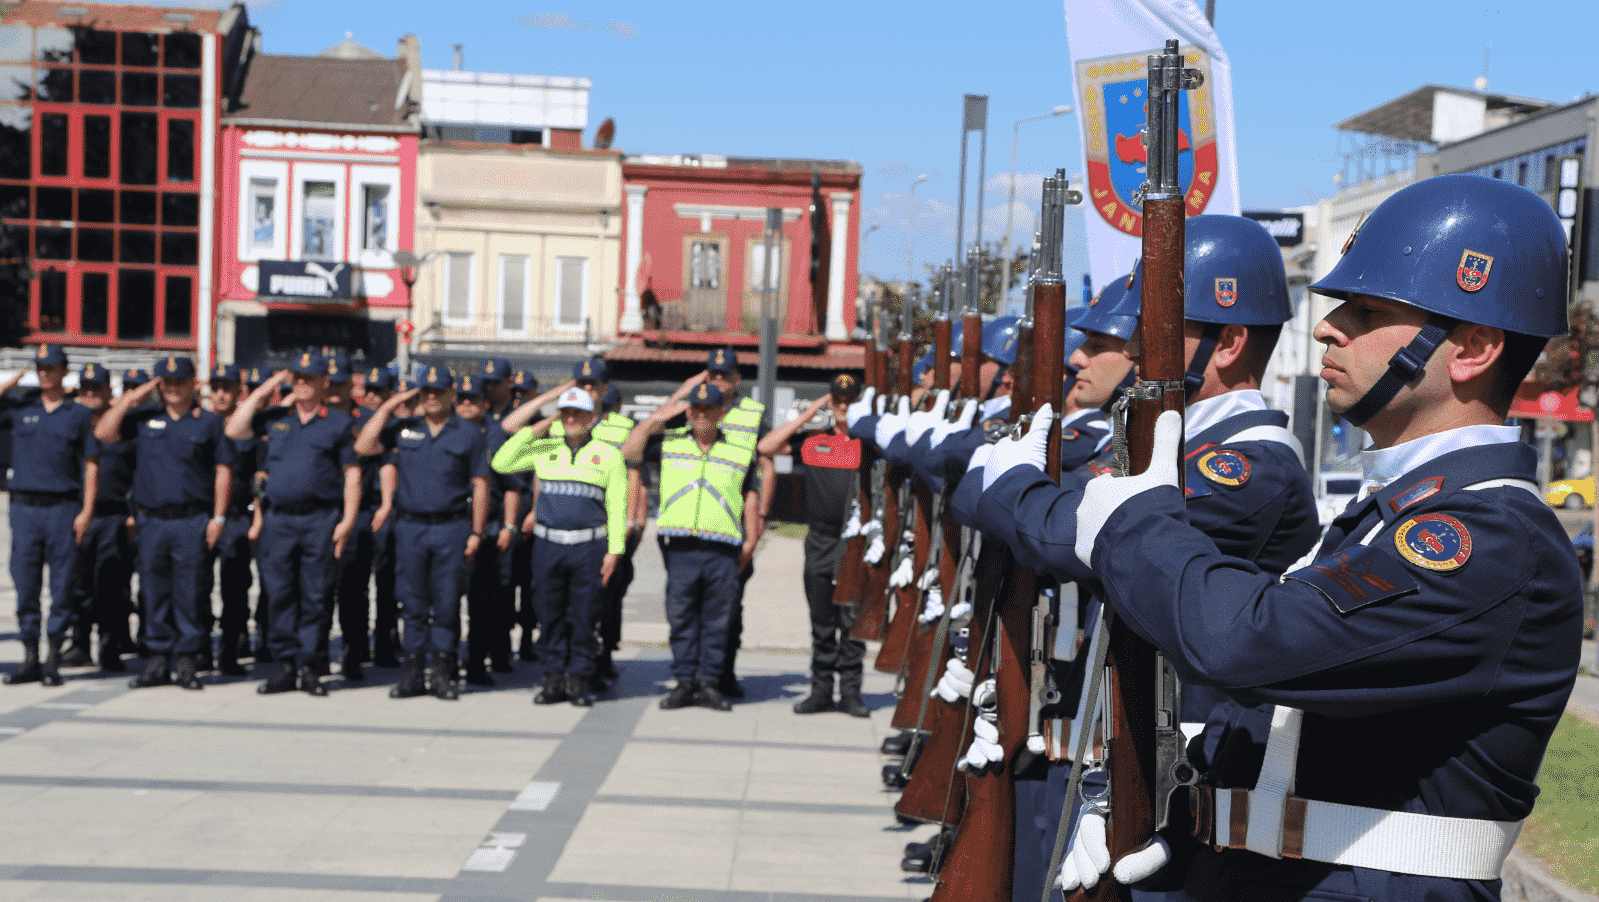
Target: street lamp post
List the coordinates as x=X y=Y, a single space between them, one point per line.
x=910 y=234
x=409 y=265
x=1010 y=206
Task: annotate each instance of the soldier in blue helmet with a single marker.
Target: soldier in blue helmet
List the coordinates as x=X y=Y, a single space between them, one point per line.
x=54 y=472
x=181 y=486
x=1440 y=618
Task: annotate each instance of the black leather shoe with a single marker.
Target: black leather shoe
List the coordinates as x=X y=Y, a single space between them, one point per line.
x=241 y=647
x=228 y=664
x=351 y=668
x=28 y=672
x=50 y=671
x=282 y=680
x=681 y=696
x=76 y=656
x=412 y=681
x=441 y=678
x=156 y=673
x=852 y=704
x=311 y=682
x=111 y=657
x=709 y=697
x=896 y=745
x=605 y=670
x=578 y=691
x=185 y=673
x=729 y=687
x=478 y=675
x=818 y=702
x=553 y=690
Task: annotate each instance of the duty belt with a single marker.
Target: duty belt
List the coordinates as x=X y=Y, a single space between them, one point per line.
x=111 y=507
x=437 y=517
x=296 y=508
x=568 y=536
x=175 y=511
x=43 y=499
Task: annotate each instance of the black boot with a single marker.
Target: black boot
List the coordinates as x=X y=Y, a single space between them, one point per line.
x=708 y=696
x=412 y=682
x=50 y=672
x=729 y=685
x=228 y=659
x=351 y=667
x=29 y=671
x=185 y=672
x=111 y=656
x=577 y=691
x=77 y=655
x=311 y=681
x=681 y=696
x=282 y=679
x=820 y=700
x=851 y=703
x=897 y=744
x=552 y=690
x=157 y=672
x=441 y=677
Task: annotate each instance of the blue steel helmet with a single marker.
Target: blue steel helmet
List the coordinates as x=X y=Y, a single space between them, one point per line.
x=955 y=340
x=1074 y=340
x=1467 y=247
x=999 y=339
x=1101 y=314
x=1233 y=272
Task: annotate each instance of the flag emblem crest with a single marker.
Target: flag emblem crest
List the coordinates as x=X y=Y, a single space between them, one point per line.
x=1226 y=292
x=1472 y=273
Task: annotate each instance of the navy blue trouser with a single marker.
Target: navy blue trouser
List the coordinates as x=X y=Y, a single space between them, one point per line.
x=233 y=551
x=430 y=573
x=487 y=602
x=100 y=586
x=567 y=593
x=172 y=562
x=526 y=615
x=355 y=572
x=386 y=614
x=42 y=536
x=298 y=572
x=702 y=586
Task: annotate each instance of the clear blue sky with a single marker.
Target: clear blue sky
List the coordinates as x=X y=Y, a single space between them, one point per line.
x=881 y=82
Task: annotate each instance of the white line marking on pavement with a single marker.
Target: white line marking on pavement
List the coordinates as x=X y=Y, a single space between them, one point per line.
x=63 y=706
x=535 y=797
x=12 y=731
x=101 y=687
x=496 y=853
x=506 y=840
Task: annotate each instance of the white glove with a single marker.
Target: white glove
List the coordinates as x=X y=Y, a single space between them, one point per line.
x=853 y=527
x=1028 y=451
x=934 y=608
x=881 y=405
x=984 y=749
x=892 y=424
x=874 y=551
x=980 y=457
x=1090 y=857
x=983 y=693
x=943 y=429
x=956 y=683
x=1104 y=494
x=928 y=579
x=961 y=609
x=903 y=573
x=924 y=420
x=861 y=408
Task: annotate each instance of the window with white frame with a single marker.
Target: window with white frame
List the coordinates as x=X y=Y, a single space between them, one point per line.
x=374 y=211
x=513 y=293
x=457 y=300
x=262 y=210
x=319 y=214
x=375 y=224
x=571 y=291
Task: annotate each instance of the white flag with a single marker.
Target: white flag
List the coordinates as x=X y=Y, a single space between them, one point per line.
x=1110 y=42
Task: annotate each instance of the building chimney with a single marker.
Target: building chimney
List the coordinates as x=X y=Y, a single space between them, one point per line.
x=458 y=57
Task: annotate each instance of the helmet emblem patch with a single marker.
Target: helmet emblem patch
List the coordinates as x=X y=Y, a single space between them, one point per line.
x=1226 y=292
x=1472 y=273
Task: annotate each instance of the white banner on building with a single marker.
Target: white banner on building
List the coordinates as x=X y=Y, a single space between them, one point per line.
x=1110 y=42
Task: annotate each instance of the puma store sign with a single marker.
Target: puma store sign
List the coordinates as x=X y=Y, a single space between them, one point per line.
x=306 y=280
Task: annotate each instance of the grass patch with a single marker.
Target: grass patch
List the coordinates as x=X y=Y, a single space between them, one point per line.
x=1563 y=831
x=789 y=530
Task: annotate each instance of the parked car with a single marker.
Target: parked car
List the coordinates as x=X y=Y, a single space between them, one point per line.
x=1571 y=494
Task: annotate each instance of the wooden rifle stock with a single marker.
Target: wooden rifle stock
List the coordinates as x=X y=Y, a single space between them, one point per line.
x=1133 y=668
x=871 y=612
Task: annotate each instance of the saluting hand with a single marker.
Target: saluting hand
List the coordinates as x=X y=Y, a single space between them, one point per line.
x=688 y=385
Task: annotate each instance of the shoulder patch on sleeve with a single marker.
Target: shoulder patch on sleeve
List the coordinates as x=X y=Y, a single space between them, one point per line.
x=1225 y=467
x=1424 y=489
x=1436 y=542
x=1357 y=578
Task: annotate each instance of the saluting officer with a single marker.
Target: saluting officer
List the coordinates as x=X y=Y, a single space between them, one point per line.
x=181 y=486
x=233 y=548
x=579 y=534
x=442 y=503
x=54 y=479
x=380 y=383
x=1440 y=618
x=100 y=586
x=312 y=493
x=708 y=528
x=487 y=602
x=831 y=458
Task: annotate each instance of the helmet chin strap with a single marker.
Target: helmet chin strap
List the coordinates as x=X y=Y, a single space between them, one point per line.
x=994 y=384
x=1195 y=375
x=1403 y=368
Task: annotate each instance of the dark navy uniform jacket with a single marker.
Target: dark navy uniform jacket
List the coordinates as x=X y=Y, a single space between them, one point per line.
x=305 y=461
x=246 y=461
x=48 y=447
x=116 y=471
x=177 y=457
x=1432 y=661
x=436 y=471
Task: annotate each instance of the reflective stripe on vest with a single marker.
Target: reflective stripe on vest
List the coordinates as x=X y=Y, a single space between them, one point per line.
x=742 y=424
x=702 y=492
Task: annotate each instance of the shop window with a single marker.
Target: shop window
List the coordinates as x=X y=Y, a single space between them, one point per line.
x=140 y=88
x=52 y=301
x=55 y=85
x=93 y=303
x=513 y=293
x=136 y=305
x=140 y=49
x=53 y=144
x=571 y=285
x=177 y=312
x=97 y=87
x=179 y=209
x=97 y=205
x=97 y=48
x=55 y=203
x=458 y=287
x=52 y=243
x=14 y=202
x=180 y=150
x=97 y=245
x=319 y=207
x=375 y=217
x=183 y=51
x=138 y=247
x=97 y=147
x=140 y=135
x=263 y=214
x=180 y=249
x=138 y=208
x=180 y=91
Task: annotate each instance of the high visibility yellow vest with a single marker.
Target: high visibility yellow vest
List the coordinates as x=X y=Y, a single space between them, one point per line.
x=742 y=424
x=702 y=491
x=612 y=429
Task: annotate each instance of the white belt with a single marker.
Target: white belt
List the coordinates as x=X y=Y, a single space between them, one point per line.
x=1272 y=821
x=568 y=536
